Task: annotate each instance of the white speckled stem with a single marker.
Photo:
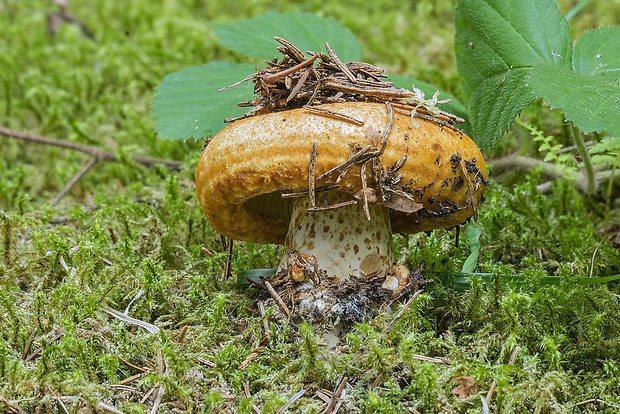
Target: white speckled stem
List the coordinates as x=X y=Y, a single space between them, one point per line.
x=343 y=240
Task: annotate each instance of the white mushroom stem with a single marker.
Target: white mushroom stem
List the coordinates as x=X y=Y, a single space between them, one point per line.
x=343 y=240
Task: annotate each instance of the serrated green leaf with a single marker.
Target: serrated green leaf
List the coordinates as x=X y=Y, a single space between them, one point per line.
x=597 y=52
x=592 y=104
x=496 y=102
x=254 y=37
x=187 y=103
x=497 y=44
x=454 y=106
x=496 y=36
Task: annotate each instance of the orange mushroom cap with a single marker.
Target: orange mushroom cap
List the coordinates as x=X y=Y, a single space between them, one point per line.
x=245 y=168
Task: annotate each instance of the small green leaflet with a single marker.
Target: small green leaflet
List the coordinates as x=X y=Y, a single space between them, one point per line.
x=187 y=103
x=254 y=37
x=511 y=52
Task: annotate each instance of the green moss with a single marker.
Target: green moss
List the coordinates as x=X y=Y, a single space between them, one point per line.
x=126 y=229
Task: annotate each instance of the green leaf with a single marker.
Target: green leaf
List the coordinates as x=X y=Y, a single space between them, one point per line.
x=454 y=106
x=497 y=44
x=246 y=277
x=597 y=52
x=609 y=144
x=496 y=36
x=495 y=103
x=473 y=233
x=254 y=37
x=591 y=103
x=187 y=103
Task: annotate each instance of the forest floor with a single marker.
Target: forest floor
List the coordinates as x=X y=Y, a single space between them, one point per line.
x=129 y=239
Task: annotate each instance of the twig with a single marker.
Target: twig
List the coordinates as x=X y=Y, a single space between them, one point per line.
x=87 y=149
x=131 y=379
x=345 y=70
x=235 y=84
x=365 y=190
x=89 y=165
x=37 y=351
x=336 y=394
x=29 y=342
x=430 y=359
x=306 y=193
x=594 y=256
x=12 y=408
x=333 y=206
x=62 y=405
x=299 y=84
x=291 y=402
x=311 y=177
x=324 y=395
x=332 y=114
x=105 y=407
x=292 y=49
x=290 y=70
x=131 y=365
x=278 y=299
x=158 y=397
x=182 y=334
x=160 y=361
x=147 y=395
x=161 y=390
x=513 y=359
x=371 y=91
x=261 y=308
x=229 y=251
x=128 y=319
x=135 y=298
x=353 y=160
x=597 y=400
x=402 y=312
x=388 y=128
x=205 y=362
x=56 y=19
x=253 y=355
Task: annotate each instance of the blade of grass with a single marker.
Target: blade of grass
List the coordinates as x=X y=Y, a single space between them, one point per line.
x=576 y=9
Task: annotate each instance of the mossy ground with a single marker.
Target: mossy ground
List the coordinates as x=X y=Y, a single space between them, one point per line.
x=126 y=228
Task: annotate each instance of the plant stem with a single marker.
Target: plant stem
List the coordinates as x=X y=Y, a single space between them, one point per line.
x=610 y=187
x=100 y=154
x=576 y=135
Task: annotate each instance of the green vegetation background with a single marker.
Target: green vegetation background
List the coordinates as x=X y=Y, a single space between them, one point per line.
x=126 y=228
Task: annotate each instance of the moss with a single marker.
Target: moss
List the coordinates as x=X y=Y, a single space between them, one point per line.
x=126 y=229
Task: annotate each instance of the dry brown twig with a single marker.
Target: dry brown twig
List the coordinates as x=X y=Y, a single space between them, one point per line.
x=294 y=81
x=336 y=394
x=98 y=155
x=278 y=299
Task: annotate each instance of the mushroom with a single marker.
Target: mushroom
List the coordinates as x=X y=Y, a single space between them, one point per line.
x=428 y=176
